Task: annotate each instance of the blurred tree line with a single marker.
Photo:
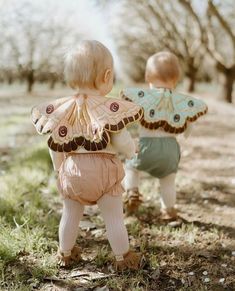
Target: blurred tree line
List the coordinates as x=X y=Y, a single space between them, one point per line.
x=33 y=36
x=201 y=33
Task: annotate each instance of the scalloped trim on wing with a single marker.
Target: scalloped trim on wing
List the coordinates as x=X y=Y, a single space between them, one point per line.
x=169 y=126
x=91 y=129
x=80 y=142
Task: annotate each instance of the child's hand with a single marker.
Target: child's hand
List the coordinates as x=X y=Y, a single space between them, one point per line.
x=188 y=131
x=137 y=148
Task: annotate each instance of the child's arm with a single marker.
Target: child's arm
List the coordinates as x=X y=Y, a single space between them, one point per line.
x=57 y=159
x=189 y=129
x=123 y=143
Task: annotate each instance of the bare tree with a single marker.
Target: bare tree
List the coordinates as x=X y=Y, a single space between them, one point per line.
x=151 y=26
x=33 y=36
x=145 y=27
x=129 y=33
x=184 y=39
x=216 y=35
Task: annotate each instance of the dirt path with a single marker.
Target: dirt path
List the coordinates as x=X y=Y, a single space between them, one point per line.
x=208 y=164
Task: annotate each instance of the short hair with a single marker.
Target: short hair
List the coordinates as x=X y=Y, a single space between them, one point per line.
x=85 y=65
x=162 y=66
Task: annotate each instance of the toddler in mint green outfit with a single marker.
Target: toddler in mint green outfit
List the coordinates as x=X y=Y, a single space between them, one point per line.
x=166 y=114
x=158 y=156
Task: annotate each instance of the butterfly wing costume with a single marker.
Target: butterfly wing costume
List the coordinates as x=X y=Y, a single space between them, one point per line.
x=83 y=121
x=165 y=109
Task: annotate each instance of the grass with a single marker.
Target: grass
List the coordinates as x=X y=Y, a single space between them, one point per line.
x=175 y=257
x=27 y=240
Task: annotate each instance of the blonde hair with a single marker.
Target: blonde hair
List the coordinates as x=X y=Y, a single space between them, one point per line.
x=162 y=66
x=86 y=65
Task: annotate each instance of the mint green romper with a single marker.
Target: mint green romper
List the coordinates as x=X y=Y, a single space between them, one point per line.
x=158 y=156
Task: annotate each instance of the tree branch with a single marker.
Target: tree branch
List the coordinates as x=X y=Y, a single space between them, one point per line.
x=213 y=9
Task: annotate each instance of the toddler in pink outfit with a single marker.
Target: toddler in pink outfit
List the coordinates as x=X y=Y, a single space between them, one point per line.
x=87 y=131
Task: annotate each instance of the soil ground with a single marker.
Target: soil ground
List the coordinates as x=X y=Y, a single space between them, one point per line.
x=197 y=253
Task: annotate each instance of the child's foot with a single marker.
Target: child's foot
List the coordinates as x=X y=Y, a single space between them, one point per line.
x=68 y=260
x=129 y=261
x=170 y=213
x=133 y=200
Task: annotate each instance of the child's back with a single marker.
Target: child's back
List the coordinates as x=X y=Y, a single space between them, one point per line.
x=86 y=131
x=166 y=114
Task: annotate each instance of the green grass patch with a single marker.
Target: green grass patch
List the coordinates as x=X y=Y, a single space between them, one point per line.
x=175 y=257
x=27 y=240
x=15 y=120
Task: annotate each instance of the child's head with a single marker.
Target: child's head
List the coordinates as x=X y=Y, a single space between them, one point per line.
x=89 y=66
x=163 y=70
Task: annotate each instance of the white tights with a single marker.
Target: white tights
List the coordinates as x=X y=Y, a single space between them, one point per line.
x=167 y=186
x=112 y=212
x=167 y=190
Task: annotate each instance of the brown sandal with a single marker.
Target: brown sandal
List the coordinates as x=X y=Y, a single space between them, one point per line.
x=130 y=260
x=169 y=213
x=133 y=200
x=74 y=257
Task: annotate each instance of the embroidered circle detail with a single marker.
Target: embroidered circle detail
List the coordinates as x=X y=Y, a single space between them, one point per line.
x=176 y=117
x=114 y=106
x=50 y=108
x=95 y=130
x=141 y=93
x=63 y=131
x=151 y=112
x=191 y=103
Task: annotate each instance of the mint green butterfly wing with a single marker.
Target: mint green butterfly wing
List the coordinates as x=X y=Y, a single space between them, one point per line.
x=165 y=109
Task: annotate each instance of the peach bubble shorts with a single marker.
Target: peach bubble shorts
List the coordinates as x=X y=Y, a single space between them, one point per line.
x=87 y=177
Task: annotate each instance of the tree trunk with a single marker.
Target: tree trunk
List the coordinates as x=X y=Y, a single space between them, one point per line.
x=192 y=72
x=228 y=85
x=191 y=85
x=10 y=80
x=30 y=81
x=52 y=84
x=52 y=81
x=229 y=76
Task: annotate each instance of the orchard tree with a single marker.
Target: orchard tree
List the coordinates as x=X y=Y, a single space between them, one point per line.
x=33 y=36
x=146 y=27
x=141 y=28
x=218 y=38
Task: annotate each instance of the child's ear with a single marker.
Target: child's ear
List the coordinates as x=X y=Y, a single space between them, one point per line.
x=107 y=75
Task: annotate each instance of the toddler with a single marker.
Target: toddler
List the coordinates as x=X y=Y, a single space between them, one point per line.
x=87 y=130
x=166 y=114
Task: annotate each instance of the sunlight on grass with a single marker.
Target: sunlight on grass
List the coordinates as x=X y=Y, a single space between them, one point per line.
x=15 y=120
x=30 y=208
x=102 y=257
x=25 y=235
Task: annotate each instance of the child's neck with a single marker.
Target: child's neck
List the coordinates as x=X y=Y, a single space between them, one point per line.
x=88 y=91
x=161 y=84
